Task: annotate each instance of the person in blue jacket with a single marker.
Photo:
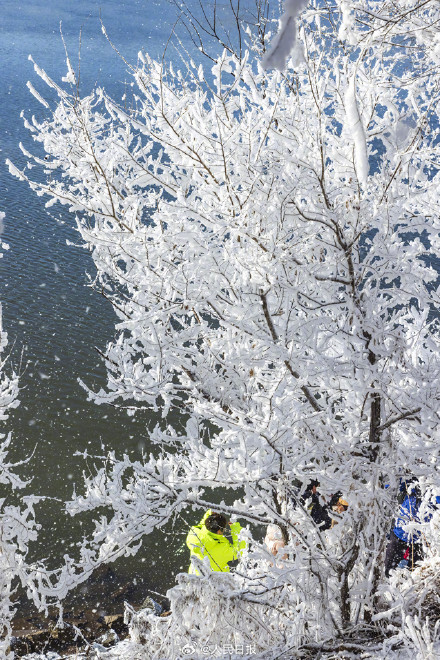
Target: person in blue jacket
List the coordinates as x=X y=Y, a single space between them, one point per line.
x=405 y=547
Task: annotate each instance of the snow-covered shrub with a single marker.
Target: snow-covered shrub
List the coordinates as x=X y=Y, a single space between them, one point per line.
x=212 y=616
x=415 y=593
x=411 y=606
x=410 y=602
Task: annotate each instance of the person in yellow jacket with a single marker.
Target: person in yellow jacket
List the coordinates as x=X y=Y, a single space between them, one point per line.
x=207 y=540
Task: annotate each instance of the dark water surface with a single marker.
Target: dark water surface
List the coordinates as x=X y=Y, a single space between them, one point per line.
x=53 y=320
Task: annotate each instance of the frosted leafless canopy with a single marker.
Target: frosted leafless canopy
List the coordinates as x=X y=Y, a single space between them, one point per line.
x=264 y=237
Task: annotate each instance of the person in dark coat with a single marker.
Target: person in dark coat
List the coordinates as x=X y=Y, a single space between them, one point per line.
x=319 y=512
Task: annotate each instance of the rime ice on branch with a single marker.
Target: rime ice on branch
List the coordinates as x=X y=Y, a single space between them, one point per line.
x=286 y=40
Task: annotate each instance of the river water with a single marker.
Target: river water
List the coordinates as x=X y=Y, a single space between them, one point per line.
x=53 y=320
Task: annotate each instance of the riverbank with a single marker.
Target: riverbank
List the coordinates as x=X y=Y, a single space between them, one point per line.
x=94 y=613
x=79 y=633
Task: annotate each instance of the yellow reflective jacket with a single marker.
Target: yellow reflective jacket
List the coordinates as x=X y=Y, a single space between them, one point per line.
x=203 y=543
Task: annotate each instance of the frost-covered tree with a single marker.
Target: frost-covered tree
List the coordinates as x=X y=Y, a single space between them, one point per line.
x=17 y=523
x=265 y=238
x=362 y=23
